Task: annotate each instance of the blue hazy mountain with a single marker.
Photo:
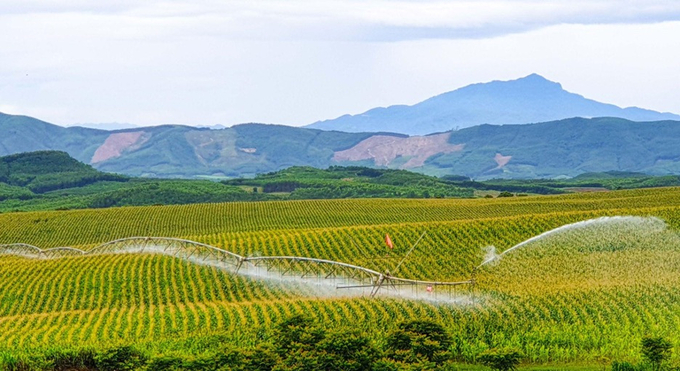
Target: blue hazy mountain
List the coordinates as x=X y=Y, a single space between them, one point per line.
x=106 y=125
x=530 y=99
x=564 y=148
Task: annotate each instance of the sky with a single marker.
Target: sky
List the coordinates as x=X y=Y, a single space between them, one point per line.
x=221 y=62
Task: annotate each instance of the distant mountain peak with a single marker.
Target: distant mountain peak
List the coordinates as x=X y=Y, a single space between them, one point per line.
x=534 y=77
x=536 y=80
x=533 y=84
x=529 y=99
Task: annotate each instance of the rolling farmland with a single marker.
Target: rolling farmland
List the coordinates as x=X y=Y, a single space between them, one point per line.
x=576 y=296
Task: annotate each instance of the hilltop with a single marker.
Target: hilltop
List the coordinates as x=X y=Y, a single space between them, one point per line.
x=26 y=175
x=529 y=99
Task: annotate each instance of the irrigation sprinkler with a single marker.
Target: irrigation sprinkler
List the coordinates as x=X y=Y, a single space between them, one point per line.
x=344 y=275
x=409 y=252
x=304 y=268
x=240 y=263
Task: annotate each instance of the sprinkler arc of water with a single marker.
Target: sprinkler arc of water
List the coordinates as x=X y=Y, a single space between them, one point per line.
x=567 y=227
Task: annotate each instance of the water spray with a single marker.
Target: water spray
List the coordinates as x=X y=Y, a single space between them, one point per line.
x=492 y=256
x=318 y=274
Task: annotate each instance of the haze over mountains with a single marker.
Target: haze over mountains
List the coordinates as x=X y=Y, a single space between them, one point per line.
x=561 y=148
x=530 y=99
x=107 y=125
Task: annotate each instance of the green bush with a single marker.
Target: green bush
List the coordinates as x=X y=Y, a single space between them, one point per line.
x=259 y=359
x=656 y=350
x=417 y=341
x=346 y=350
x=165 y=363
x=303 y=345
x=122 y=358
x=63 y=360
x=297 y=333
x=501 y=359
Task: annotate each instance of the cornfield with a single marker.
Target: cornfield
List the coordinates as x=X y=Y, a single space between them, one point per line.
x=576 y=296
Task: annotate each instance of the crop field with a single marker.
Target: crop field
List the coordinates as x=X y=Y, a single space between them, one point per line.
x=578 y=295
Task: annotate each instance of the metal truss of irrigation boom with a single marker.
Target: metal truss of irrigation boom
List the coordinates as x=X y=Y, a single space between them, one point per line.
x=350 y=276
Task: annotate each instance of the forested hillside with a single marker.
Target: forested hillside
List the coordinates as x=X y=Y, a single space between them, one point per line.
x=557 y=149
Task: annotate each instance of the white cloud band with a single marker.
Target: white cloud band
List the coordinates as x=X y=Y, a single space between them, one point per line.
x=365 y=20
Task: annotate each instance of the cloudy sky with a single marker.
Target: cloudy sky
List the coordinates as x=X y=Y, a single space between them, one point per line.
x=208 y=62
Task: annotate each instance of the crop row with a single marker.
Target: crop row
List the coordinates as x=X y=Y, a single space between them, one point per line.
x=91 y=227
x=589 y=291
x=556 y=327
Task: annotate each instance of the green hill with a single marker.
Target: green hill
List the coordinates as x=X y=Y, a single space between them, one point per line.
x=47 y=180
x=557 y=149
x=27 y=134
x=45 y=171
x=179 y=151
x=352 y=182
x=54 y=180
x=564 y=148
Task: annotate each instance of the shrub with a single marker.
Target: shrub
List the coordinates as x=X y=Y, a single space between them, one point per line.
x=63 y=360
x=501 y=359
x=165 y=363
x=259 y=359
x=302 y=345
x=120 y=359
x=346 y=350
x=415 y=341
x=656 y=350
x=296 y=332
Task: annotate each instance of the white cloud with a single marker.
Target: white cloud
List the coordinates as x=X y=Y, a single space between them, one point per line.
x=294 y=62
x=359 y=19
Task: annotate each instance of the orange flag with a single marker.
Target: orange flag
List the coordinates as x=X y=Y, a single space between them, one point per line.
x=388 y=241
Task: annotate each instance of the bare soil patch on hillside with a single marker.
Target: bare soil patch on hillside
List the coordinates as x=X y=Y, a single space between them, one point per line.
x=116 y=144
x=501 y=160
x=384 y=149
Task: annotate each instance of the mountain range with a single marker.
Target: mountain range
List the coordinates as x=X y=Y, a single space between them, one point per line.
x=530 y=99
x=555 y=149
x=179 y=151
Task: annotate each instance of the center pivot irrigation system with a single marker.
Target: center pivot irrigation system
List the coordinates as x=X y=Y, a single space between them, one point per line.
x=344 y=276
